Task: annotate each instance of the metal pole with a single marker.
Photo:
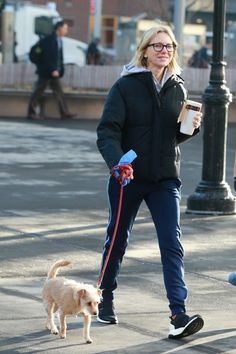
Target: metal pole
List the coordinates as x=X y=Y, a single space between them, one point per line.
x=97 y=24
x=179 y=21
x=213 y=194
x=8 y=17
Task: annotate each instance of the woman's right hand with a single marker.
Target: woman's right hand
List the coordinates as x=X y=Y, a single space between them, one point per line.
x=123 y=173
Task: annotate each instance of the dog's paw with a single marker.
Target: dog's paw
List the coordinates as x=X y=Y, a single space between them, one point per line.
x=54 y=330
x=62 y=335
x=89 y=340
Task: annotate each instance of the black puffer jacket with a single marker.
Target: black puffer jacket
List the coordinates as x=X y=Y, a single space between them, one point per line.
x=137 y=117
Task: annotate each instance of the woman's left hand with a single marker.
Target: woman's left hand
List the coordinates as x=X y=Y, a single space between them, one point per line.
x=197 y=120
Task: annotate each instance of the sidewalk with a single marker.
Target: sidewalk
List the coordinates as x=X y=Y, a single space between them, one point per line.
x=53 y=205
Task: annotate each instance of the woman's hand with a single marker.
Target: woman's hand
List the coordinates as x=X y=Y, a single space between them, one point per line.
x=123 y=173
x=197 y=120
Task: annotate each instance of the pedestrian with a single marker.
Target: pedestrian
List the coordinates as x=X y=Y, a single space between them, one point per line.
x=49 y=70
x=202 y=57
x=93 y=55
x=141 y=114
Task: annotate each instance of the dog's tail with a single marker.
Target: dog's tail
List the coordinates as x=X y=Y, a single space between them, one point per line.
x=55 y=268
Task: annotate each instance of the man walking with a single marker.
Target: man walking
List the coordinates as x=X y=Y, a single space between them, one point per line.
x=49 y=70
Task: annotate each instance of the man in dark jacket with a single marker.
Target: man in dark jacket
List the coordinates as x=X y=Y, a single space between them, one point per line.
x=93 y=56
x=49 y=71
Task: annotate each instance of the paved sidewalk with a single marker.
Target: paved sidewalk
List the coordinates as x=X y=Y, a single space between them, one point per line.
x=53 y=205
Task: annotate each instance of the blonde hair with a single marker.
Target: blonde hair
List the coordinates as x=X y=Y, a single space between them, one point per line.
x=140 y=61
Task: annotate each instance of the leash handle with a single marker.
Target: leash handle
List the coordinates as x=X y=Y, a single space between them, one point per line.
x=112 y=239
x=123 y=173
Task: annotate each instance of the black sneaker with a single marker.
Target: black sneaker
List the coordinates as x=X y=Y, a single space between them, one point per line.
x=106 y=313
x=182 y=325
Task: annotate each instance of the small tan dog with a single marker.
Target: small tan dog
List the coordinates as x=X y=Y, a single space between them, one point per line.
x=69 y=298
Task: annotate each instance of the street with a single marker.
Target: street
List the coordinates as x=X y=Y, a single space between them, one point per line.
x=53 y=205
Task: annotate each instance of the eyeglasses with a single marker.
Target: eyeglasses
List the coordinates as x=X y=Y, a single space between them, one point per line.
x=158 y=47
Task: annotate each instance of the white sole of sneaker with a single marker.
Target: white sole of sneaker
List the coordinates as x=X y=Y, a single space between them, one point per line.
x=106 y=322
x=192 y=327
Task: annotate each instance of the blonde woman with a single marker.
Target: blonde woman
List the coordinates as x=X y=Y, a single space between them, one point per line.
x=141 y=113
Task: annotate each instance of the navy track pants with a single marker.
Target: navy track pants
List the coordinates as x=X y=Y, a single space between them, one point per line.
x=162 y=199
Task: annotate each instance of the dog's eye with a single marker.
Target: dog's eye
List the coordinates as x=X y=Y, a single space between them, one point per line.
x=89 y=303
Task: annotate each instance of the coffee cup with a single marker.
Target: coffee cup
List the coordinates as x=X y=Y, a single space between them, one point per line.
x=187 y=116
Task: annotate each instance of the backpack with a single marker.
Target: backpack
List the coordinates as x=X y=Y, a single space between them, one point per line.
x=36 y=53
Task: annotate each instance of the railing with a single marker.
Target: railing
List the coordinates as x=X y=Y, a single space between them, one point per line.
x=21 y=76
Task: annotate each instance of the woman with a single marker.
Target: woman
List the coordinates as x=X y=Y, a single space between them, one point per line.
x=141 y=113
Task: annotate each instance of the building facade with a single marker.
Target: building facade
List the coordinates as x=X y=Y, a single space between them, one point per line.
x=80 y=15
x=121 y=22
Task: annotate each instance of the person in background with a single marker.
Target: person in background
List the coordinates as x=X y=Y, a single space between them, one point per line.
x=15 y=58
x=202 y=57
x=93 y=56
x=141 y=113
x=49 y=71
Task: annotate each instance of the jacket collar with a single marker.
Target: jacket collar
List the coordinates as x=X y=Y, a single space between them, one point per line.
x=146 y=76
x=173 y=80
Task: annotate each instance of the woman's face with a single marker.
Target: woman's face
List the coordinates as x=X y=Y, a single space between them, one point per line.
x=158 y=56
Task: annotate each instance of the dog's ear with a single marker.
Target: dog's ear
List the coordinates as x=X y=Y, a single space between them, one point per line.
x=81 y=293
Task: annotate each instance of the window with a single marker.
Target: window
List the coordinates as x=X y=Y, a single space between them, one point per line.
x=108 y=31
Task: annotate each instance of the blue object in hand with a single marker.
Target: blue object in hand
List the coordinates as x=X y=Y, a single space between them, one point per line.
x=127 y=158
x=232 y=278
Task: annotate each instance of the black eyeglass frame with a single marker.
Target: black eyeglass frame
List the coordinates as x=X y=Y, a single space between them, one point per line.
x=173 y=47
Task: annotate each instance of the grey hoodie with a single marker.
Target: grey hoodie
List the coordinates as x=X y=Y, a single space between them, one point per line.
x=130 y=69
